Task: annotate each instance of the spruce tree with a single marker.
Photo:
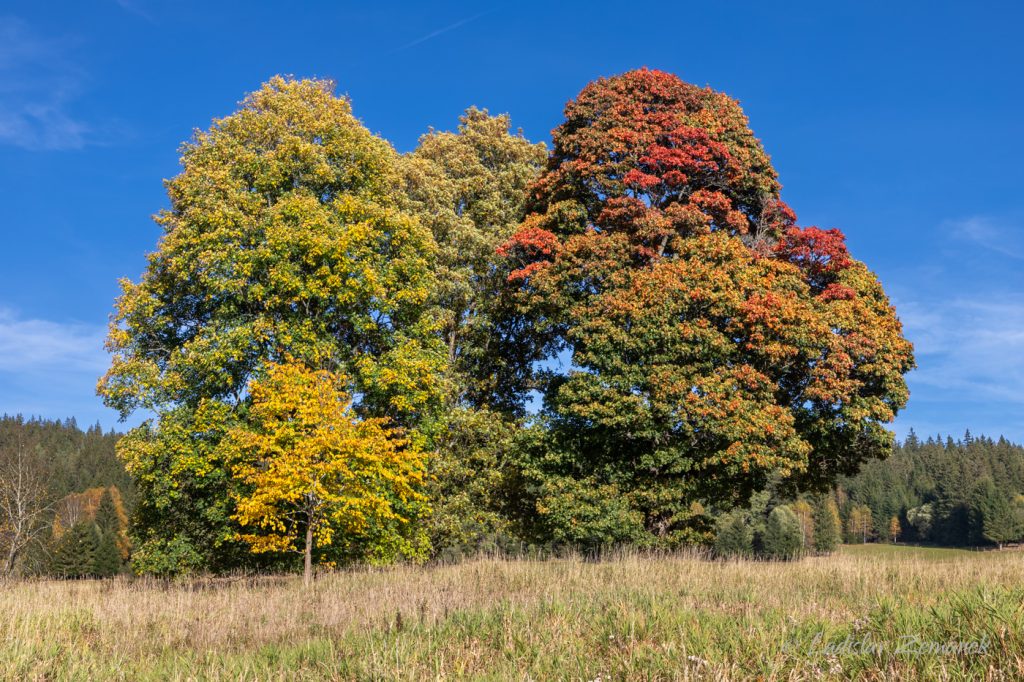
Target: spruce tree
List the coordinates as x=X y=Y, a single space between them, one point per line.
x=107 y=520
x=107 y=561
x=999 y=522
x=734 y=536
x=782 y=535
x=75 y=555
x=827 y=526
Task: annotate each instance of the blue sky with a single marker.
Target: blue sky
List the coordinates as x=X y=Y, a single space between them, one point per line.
x=898 y=122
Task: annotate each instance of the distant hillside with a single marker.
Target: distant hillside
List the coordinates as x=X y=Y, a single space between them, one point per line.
x=75 y=460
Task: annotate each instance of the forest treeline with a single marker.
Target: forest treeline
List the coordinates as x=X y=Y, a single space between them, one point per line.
x=349 y=354
x=940 y=491
x=64 y=499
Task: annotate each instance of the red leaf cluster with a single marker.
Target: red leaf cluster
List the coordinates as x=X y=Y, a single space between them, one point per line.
x=531 y=248
x=820 y=253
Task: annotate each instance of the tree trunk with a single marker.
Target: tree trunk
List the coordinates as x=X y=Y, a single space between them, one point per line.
x=307 y=572
x=12 y=555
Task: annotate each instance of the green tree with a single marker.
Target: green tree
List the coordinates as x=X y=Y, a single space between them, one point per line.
x=999 y=520
x=106 y=518
x=107 y=561
x=733 y=535
x=76 y=551
x=108 y=526
x=284 y=238
x=469 y=188
x=782 y=535
x=828 y=528
x=470 y=487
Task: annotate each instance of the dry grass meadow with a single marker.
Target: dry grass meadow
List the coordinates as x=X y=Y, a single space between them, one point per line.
x=865 y=613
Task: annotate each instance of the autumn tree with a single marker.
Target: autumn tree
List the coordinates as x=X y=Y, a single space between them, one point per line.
x=284 y=238
x=860 y=526
x=713 y=345
x=894 y=529
x=805 y=517
x=314 y=474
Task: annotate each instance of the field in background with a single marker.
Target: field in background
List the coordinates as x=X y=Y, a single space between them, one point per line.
x=634 y=617
x=889 y=551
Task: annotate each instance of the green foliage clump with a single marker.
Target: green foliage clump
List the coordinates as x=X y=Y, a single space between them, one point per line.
x=828 y=527
x=167 y=558
x=733 y=536
x=782 y=536
x=469 y=483
x=587 y=515
x=76 y=551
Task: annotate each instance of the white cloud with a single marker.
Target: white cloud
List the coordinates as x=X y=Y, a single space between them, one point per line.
x=40 y=347
x=968 y=349
x=136 y=8
x=1001 y=236
x=38 y=83
x=49 y=369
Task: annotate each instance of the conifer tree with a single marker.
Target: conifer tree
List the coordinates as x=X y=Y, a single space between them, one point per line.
x=734 y=536
x=827 y=526
x=76 y=551
x=782 y=534
x=107 y=561
x=107 y=520
x=998 y=521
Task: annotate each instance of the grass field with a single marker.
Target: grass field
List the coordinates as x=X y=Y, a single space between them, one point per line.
x=888 y=551
x=866 y=612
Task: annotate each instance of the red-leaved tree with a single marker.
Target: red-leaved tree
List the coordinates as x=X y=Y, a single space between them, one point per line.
x=715 y=345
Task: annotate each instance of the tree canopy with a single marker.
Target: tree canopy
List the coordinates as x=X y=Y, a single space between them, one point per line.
x=713 y=344
x=311 y=470
x=331 y=337
x=284 y=239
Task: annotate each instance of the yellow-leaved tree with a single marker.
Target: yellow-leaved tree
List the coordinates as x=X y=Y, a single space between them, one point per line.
x=314 y=473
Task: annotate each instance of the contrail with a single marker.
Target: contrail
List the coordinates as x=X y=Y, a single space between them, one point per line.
x=434 y=34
